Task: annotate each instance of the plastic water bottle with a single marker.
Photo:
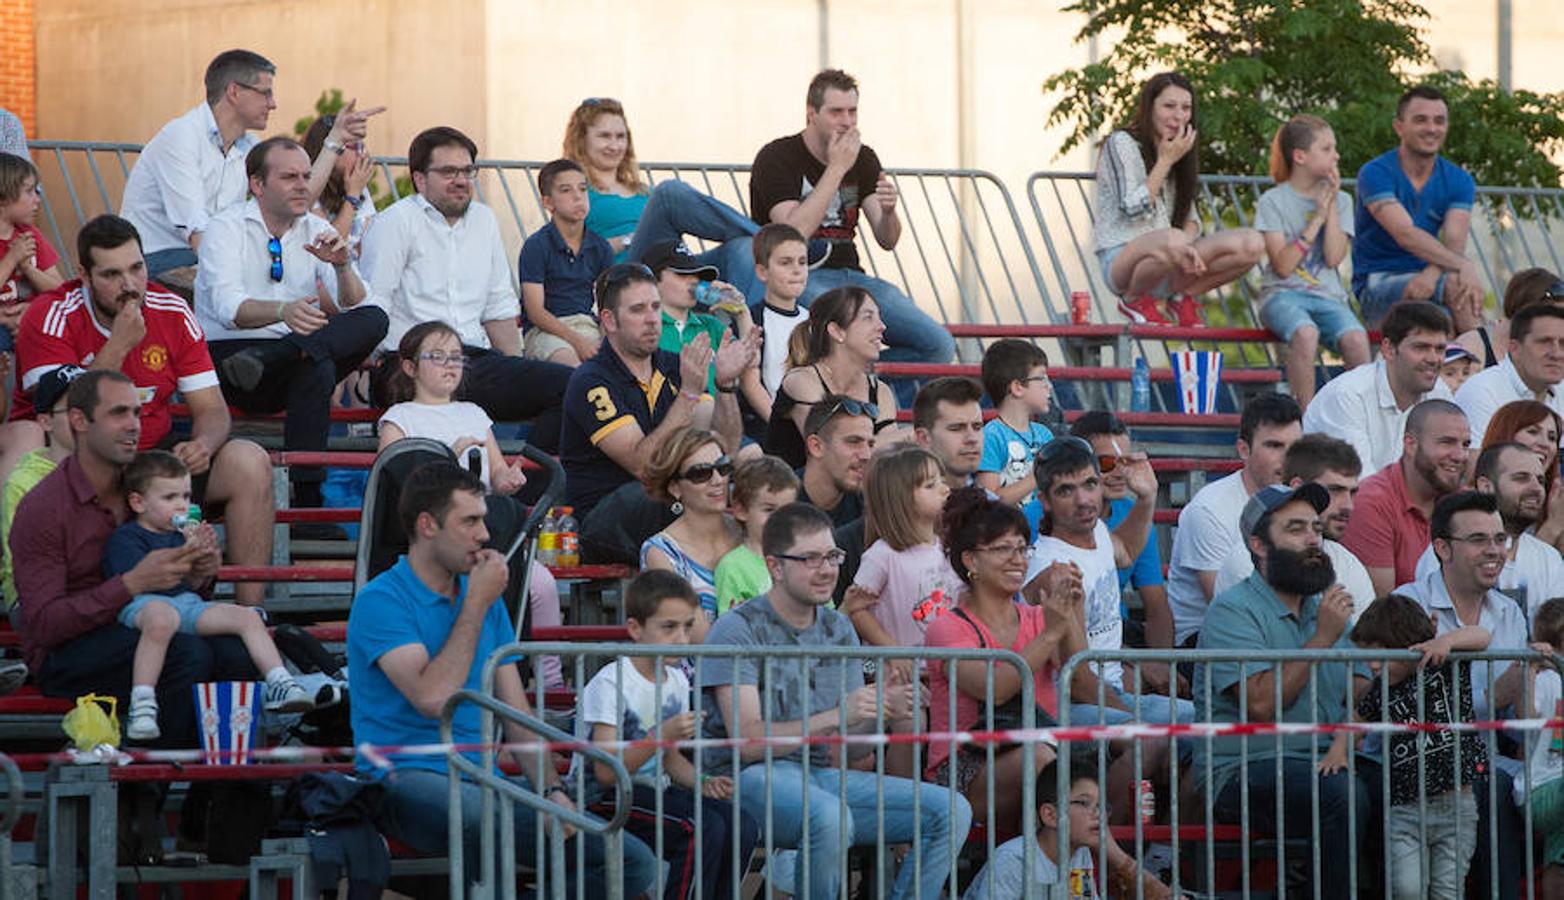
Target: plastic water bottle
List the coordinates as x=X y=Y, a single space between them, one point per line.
x=568 y=551
x=188 y=519
x=548 y=538
x=1140 y=386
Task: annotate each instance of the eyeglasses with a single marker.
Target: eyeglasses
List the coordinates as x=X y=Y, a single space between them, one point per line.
x=850 y=405
x=451 y=173
x=616 y=275
x=832 y=558
x=1479 y=541
x=1007 y=551
x=264 y=92
x=274 y=247
x=441 y=358
x=700 y=473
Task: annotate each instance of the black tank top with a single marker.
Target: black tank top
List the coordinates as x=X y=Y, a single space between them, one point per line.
x=783 y=438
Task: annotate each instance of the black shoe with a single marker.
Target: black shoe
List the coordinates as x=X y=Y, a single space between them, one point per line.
x=245 y=369
x=318 y=531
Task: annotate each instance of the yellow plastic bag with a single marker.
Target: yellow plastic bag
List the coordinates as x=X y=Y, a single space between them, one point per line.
x=90 y=725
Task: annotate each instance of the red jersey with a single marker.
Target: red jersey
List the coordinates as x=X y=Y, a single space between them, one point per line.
x=59 y=329
x=17 y=287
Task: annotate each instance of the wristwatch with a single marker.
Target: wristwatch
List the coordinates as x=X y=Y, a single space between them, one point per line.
x=335 y=146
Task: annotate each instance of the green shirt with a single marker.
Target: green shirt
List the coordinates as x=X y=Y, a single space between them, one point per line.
x=741 y=575
x=675 y=337
x=30 y=469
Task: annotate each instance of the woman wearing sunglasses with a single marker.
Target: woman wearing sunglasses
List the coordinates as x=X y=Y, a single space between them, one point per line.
x=690 y=472
x=833 y=352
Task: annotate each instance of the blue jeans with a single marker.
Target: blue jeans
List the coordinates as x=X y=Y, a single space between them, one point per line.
x=1381 y=290
x=1284 y=312
x=160 y=261
x=675 y=209
x=417 y=805
x=844 y=812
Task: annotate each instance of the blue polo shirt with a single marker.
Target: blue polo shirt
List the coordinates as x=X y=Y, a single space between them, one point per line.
x=1381 y=178
x=566 y=275
x=602 y=397
x=393 y=610
x=1249 y=616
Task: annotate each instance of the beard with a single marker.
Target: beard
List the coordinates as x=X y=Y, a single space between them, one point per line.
x=1299 y=572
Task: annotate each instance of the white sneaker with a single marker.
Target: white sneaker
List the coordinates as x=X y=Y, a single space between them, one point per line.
x=141 y=724
x=288 y=696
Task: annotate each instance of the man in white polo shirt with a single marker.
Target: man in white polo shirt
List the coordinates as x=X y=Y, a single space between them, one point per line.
x=1531 y=371
x=1368 y=406
x=437 y=255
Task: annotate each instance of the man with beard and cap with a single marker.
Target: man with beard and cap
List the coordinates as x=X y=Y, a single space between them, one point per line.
x=285 y=313
x=1388 y=530
x=114 y=318
x=1470 y=540
x=1368 y=406
x=1291 y=601
x=1531 y=370
x=1333 y=465
x=1533 y=572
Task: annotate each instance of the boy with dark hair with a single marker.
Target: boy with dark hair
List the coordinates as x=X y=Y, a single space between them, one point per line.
x=157 y=490
x=760 y=487
x=1015 y=377
x=782 y=265
x=557 y=267
x=28 y=264
x=631 y=700
x=1448 y=834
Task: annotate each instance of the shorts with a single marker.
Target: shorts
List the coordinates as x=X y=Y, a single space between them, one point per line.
x=1547 y=818
x=189 y=606
x=1105 y=259
x=540 y=345
x=1381 y=290
x=7 y=340
x=1284 y=312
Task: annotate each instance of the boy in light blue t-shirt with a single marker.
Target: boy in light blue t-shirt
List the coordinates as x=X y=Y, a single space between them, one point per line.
x=1015 y=377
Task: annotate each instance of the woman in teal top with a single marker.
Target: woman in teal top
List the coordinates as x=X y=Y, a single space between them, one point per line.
x=633 y=216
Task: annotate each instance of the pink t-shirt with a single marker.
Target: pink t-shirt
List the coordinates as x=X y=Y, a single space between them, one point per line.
x=951 y=630
x=916 y=586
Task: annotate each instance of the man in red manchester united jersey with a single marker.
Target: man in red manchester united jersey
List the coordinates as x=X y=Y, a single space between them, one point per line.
x=113 y=318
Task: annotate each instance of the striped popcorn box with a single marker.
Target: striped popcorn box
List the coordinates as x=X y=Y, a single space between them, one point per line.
x=1199 y=374
x=228 y=711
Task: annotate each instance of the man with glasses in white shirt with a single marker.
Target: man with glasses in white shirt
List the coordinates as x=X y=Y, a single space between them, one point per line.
x=284 y=310
x=437 y=255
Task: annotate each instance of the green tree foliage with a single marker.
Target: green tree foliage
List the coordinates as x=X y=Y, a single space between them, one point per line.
x=1254 y=63
x=329 y=103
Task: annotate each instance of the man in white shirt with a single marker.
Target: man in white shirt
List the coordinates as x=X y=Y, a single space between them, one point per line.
x=1533 y=571
x=1333 y=465
x=1208 y=526
x=1368 y=406
x=282 y=306
x=1531 y=371
x=437 y=255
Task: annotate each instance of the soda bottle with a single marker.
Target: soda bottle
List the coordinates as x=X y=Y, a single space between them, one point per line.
x=568 y=552
x=548 y=538
x=1140 y=386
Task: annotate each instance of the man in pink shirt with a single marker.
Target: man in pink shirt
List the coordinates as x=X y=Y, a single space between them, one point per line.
x=1388 y=531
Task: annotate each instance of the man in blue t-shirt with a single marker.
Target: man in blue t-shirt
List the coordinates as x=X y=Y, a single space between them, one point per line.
x=423 y=630
x=1413 y=215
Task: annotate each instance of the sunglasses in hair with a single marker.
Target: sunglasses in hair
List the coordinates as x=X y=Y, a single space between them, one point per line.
x=700 y=473
x=274 y=247
x=853 y=407
x=598 y=101
x=616 y=275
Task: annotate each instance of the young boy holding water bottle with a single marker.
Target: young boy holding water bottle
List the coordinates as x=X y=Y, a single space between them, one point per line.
x=683 y=282
x=157 y=490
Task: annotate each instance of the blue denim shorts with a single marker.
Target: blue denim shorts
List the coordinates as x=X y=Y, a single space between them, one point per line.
x=189 y=606
x=1105 y=258
x=1384 y=289
x=1284 y=312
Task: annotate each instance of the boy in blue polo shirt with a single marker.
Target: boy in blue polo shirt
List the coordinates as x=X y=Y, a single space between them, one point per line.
x=557 y=267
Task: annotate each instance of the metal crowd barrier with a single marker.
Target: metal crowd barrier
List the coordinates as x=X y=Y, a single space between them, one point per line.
x=1259 y=745
x=9 y=814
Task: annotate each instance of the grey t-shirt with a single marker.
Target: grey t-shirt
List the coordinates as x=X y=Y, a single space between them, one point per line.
x=1006 y=870
x=781 y=682
x=1284 y=210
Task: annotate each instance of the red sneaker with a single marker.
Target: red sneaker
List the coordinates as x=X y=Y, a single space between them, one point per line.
x=1142 y=311
x=1188 y=310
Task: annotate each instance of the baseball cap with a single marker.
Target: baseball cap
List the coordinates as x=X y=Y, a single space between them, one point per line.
x=53 y=385
x=672 y=256
x=1455 y=351
x=1276 y=496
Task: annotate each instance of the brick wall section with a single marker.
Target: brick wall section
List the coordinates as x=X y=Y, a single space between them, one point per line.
x=18 y=81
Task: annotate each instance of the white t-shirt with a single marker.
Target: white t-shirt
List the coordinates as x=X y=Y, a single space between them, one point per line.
x=1207 y=533
x=1100 y=578
x=638 y=718
x=1545 y=746
x=446 y=423
x=1350 y=573
x=776 y=329
x=1533 y=577
x=1007 y=870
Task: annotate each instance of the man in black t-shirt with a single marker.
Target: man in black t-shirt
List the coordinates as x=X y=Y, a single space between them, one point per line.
x=819 y=181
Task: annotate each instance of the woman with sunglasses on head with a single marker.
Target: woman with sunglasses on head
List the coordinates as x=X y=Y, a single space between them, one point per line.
x=834 y=352
x=1525 y=288
x=344 y=199
x=690 y=472
x=431 y=363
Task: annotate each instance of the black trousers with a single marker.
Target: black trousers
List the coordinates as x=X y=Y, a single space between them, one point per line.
x=99 y=662
x=508 y=388
x=302 y=383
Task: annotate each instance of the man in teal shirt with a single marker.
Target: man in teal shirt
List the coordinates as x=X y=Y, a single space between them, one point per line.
x=1290 y=602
